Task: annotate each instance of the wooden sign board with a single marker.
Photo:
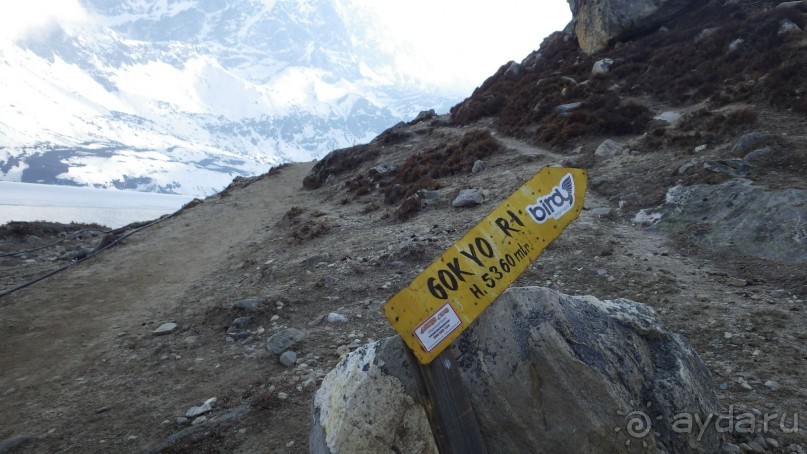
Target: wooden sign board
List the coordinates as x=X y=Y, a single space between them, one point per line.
x=456 y=288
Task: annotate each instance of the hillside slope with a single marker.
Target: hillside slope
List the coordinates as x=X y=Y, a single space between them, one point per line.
x=689 y=216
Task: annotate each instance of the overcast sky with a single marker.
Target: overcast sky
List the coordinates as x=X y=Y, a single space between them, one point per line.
x=463 y=42
x=451 y=43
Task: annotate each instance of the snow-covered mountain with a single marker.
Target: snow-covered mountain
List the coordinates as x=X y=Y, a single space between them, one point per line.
x=183 y=95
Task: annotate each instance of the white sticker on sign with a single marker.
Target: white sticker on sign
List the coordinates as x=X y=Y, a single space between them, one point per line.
x=438 y=327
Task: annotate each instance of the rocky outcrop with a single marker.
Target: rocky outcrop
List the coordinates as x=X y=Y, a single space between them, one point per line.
x=599 y=22
x=737 y=216
x=546 y=372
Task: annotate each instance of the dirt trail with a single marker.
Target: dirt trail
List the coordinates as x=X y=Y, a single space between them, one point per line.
x=65 y=319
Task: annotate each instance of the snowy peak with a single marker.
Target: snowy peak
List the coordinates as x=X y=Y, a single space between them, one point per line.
x=182 y=96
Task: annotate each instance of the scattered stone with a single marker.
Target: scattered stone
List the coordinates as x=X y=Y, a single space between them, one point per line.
x=282 y=396
x=609 y=148
x=10 y=444
x=197 y=411
x=788 y=27
x=212 y=401
x=249 y=304
x=284 y=340
x=691 y=164
x=736 y=44
x=181 y=421
x=240 y=323
x=727 y=335
x=290 y=444
x=190 y=341
x=601 y=272
x=479 y=166
x=736 y=282
x=468 y=198
x=602 y=212
x=671 y=117
x=700 y=148
x=602 y=66
x=773 y=385
x=131 y=437
x=565 y=110
x=705 y=33
x=730 y=448
x=772 y=442
x=724 y=386
x=333 y=317
x=734 y=167
x=165 y=328
x=755 y=447
x=317 y=258
x=199 y=420
x=751 y=141
x=798 y=4
x=98 y=411
x=288 y=358
x=759 y=154
x=381 y=171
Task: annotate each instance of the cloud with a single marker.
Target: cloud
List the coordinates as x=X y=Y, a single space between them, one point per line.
x=20 y=17
x=456 y=43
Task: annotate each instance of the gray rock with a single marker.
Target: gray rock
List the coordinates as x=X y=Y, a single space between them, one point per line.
x=602 y=66
x=248 y=304
x=736 y=44
x=567 y=109
x=759 y=154
x=730 y=448
x=10 y=444
x=240 y=323
x=382 y=170
x=734 y=167
x=770 y=219
x=424 y=115
x=284 y=340
x=334 y=317
x=600 y=22
x=316 y=258
x=165 y=328
x=799 y=4
x=468 y=198
x=190 y=341
x=609 y=148
x=754 y=447
x=760 y=440
x=671 y=117
x=751 y=141
x=569 y=370
x=288 y=358
x=479 y=166
x=773 y=385
x=705 y=33
x=787 y=27
x=198 y=411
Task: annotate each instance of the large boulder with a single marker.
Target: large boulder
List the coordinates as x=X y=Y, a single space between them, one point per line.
x=736 y=216
x=599 y=22
x=545 y=372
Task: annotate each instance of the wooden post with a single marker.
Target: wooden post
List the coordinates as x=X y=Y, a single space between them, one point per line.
x=448 y=406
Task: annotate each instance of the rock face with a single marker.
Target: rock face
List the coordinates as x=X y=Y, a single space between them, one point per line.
x=546 y=372
x=738 y=216
x=598 y=22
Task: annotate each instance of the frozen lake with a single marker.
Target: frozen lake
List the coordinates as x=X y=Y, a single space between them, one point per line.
x=109 y=207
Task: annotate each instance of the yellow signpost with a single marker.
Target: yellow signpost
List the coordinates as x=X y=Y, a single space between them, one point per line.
x=456 y=288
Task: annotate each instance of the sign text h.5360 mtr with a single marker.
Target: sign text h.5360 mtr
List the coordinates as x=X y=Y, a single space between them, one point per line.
x=454 y=290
